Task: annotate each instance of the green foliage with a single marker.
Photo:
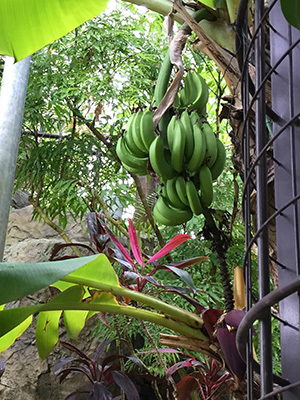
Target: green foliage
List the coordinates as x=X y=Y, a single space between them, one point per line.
x=109 y=62
x=95 y=75
x=135 y=333
x=291 y=11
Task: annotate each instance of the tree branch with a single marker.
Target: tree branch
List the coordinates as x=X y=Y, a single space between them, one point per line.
x=109 y=217
x=147 y=209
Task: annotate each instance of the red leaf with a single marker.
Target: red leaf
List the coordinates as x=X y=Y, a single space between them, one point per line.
x=191 y=362
x=186 y=386
x=189 y=262
x=120 y=246
x=135 y=246
x=161 y=351
x=227 y=340
x=171 y=245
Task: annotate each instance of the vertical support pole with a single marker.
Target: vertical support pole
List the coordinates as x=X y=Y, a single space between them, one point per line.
x=286 y=102
x=246 y=202
x=262 y=204
x=12 y=101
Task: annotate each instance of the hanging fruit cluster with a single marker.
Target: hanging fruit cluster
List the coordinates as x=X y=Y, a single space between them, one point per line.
x=187 y=159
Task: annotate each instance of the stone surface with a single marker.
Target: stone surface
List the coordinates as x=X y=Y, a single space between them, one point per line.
x=20 y=199
x=26 y=377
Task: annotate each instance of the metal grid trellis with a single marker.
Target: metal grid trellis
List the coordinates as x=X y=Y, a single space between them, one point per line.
x=269 y=59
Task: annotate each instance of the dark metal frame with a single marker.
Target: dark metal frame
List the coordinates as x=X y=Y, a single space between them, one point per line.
x=275 y=163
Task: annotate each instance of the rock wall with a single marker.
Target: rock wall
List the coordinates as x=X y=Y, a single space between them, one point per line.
x=29 y=240
x=26 y=377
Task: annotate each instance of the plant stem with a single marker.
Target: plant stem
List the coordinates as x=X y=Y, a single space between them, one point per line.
x=220 y=244
x=176 y=313
x=163 y=7
x=109 y=217
x=142 y=314
x=147 y=209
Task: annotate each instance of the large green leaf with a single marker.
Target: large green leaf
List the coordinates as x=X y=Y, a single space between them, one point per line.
x=12 y=317
x=291 y=11
x=98 y=272
x=28 y=25
x=20 y=279
x=48 y=321
x=8 y=339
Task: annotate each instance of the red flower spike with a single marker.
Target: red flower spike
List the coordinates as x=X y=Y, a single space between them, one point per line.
x=171 y=245
x=134 y=242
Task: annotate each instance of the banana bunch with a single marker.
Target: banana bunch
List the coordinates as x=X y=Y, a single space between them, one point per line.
x=133 y=148
x=186 y=156
x=194 y=158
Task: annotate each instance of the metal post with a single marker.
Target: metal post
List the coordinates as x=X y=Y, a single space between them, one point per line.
x=286 y=102
x=12 y=101
x=262 y=205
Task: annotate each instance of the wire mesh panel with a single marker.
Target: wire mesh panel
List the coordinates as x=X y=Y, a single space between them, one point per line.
x=269 y=58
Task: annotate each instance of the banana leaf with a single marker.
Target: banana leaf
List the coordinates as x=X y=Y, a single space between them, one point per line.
x=28 y=25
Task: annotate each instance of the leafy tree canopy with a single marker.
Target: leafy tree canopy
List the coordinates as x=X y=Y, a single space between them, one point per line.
x=95 y=75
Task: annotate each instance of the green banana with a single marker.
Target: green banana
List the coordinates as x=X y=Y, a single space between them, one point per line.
x=188 y=94
x=170 y=131
x=199 y=152
x=136 y=132
x=128 y=158
x=211 y=145
x=178 y=146
x=206 y=186
x=195 y=179
x=202 y=111
x=218 y=166
x=141 y=171
x=193 y=198
x=158 y=160
x=163 y=78
x=163 y=125
x=171 y=194
x=201 y=88
x=181 y=190
x=164 y=213
x=147 y=129
x=129 y=138
x=158 y=217
x=195 y=118
x=189 y=137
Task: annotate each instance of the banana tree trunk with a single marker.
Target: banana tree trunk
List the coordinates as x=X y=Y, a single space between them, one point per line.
x=12 y=101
